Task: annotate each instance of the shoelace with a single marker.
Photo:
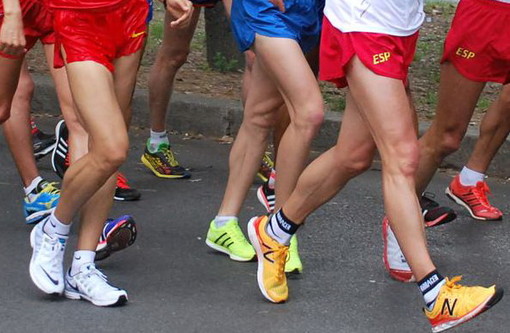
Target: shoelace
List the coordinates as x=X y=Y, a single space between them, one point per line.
x=169 y=155
x=122 y=181
x=280 y=258
x=51 y=249
x=481 y=190
x=452 y=283
x=50 y=188
x=236 y=234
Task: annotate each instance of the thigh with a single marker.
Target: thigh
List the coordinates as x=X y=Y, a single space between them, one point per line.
x=9 y=77
x=124 y=77
x=177 y=41
x=264 y=98
x=285 y=63
x=457 y=100
x=384 y=106
x=93 y=91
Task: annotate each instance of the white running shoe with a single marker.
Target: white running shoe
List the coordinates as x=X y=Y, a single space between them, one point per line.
x=394 y=260
x=92 y=285
x=46 y=264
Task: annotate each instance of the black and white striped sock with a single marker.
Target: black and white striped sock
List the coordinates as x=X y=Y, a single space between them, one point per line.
x=430 y=286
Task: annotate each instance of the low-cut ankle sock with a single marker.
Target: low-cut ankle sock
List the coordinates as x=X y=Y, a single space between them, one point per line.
x=53 y=227
x=281 y=228
x=430 y=286
x=157 y=138
x=32 y=186
x=80 y=258
x=470 y=177
x=221 y=220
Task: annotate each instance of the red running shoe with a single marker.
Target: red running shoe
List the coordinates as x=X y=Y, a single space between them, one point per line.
x=474 y=199
x=394 y=260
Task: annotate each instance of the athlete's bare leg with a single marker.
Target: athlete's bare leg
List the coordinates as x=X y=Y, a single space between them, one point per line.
x=494 y=129
x=457 y=100
x=384 y=106
x=102 y=117
x=284 y=61
x=9 y=77
x=251 y=141
x=171 y=56
x=330 y=172
x=17 y=129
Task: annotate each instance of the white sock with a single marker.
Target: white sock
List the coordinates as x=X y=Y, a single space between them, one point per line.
x=156 y=139
x=81 y=258
x=221 y=220
x=470 y=177
x=272 y=179
x=32 y=185
x=53 y=227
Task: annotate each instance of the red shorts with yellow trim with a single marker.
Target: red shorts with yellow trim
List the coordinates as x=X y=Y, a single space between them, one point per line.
x=100 y=35
x=478 y=43
x=37 y=24
x=384 y=55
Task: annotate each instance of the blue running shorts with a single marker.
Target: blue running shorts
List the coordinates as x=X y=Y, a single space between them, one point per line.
x=300 y=22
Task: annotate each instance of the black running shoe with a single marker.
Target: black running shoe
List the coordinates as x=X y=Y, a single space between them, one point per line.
x=433 y=213
x=124 y=192
x=60 y=155
x=43 y=143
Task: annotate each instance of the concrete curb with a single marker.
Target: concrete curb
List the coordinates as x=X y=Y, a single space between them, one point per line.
x=218 y=117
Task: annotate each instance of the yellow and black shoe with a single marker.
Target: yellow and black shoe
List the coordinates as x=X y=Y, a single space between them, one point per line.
x=271 y=257
x=266 y=166
x=163 y=163
x=457 y=304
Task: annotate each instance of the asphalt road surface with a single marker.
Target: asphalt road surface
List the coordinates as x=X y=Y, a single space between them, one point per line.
x=177 y=284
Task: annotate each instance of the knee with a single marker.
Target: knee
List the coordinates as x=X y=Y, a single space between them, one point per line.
x=442 y=142
x=449 y=143
x=356 y=161
x=405 y=159
x=172 y=60
x=110 y=156
x=25 y=89
x=309 y=119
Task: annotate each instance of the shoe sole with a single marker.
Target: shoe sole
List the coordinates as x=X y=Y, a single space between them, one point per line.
x=460 y=202
x=160 y=175
x=124 y=237
x=55 y=150
x=395 y=274
x=262 y=199
x=232 y=256
x=121 y=300
x=38 y=216
x=45 y=151
x=440 y=221
x=33 y=273
x=116 y=198
x=252 y=234
x=489 y=303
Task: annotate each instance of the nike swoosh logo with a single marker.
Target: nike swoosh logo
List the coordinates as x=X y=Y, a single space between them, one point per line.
x=55 y=282
x=137 y=34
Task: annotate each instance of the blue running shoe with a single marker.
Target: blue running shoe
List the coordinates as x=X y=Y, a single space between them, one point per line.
x=117 y=235
x=41 y=201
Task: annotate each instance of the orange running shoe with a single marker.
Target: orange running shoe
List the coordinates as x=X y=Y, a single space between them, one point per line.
x=474 y=199
x=457 y=304
x=271 y=257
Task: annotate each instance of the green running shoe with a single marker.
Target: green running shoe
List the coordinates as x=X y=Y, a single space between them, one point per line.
x=229 y=239
x=293 y=264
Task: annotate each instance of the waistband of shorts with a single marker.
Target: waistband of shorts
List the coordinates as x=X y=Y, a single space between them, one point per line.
x=492 y=3
x=100 y=10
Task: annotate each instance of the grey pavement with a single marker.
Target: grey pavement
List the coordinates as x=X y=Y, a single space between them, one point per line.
x=176 y=284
